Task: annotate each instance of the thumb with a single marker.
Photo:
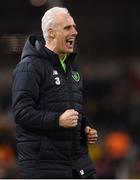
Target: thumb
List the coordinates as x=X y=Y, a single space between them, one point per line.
x=87 y=129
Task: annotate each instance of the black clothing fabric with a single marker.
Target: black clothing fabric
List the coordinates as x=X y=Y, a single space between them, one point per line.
x=41 y=92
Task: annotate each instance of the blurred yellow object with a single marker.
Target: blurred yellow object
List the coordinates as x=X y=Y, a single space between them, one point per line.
x=95 y=152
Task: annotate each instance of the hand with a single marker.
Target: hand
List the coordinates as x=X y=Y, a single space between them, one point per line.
x=68 y=119
x=91 y=135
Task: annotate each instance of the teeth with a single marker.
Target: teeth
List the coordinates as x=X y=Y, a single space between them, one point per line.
x=69 y=41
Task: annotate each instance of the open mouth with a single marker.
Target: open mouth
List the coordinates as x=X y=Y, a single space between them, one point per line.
x=70 y=43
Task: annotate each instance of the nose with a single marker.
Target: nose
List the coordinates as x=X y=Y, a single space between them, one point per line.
x=74 y=31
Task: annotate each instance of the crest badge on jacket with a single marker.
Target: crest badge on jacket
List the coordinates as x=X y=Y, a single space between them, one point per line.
x=76 y=76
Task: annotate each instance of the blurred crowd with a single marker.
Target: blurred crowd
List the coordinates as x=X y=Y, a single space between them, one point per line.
x=8 y=161
x=113 y=103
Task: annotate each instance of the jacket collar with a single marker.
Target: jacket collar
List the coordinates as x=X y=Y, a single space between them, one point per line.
x=54 y=58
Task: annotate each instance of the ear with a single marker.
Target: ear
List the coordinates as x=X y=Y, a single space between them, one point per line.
x=51 y=33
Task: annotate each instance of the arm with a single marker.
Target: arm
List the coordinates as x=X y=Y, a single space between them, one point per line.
x=25 y=94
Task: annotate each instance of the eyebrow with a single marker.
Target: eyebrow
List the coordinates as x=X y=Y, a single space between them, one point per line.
x=69 y=26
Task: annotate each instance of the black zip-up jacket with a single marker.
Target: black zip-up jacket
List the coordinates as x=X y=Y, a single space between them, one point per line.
x=41 y=92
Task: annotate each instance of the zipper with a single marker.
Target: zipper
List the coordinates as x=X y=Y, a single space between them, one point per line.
x=69 y=83
x=73 y=130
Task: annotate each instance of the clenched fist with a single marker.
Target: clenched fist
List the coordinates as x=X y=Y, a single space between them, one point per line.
x=91 y=135
x=68 y=119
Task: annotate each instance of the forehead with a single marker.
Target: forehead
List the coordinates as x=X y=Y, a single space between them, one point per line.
x=65 y=19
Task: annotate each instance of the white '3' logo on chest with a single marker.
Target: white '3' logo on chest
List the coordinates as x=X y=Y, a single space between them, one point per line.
x=57 y=79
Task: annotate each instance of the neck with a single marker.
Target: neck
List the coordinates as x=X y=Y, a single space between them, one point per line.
x=63 y=58
x=52 y=48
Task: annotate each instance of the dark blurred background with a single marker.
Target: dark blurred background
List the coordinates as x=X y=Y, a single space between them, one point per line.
x=108 y=52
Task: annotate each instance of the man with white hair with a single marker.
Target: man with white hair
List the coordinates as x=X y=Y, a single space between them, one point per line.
x=52 y=130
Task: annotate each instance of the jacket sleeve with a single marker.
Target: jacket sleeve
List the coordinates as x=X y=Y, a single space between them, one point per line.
x=25 y=95
x=86 y=121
